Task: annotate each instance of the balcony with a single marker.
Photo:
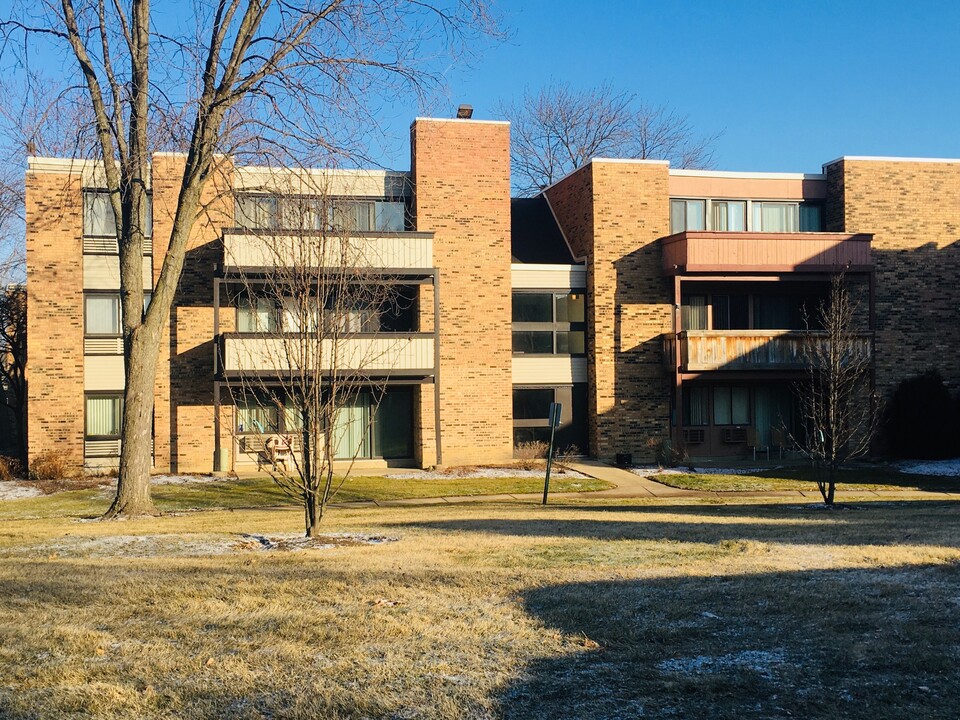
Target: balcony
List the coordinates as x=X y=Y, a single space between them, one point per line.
x=372 y=250
x=382 y=355
x=738 y=350
x=743 y=252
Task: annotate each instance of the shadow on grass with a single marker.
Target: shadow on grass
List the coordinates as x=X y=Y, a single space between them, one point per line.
x=826 y=644
x=870 y=523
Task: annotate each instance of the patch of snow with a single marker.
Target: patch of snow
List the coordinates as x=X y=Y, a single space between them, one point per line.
x=176 y=545
x=12 y=490
x=185 y=479
x=652 y=470
x=761 y=662
x=948 y=468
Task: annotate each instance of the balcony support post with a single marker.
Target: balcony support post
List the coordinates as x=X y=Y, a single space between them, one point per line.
x=677 y=429
x=436 y=362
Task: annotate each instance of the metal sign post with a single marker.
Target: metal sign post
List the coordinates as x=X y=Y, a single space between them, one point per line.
x=554 y=424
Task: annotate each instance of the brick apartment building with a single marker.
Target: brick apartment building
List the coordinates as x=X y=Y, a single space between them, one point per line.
x=653 y=303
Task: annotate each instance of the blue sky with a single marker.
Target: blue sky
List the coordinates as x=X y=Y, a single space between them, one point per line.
x=791 y=85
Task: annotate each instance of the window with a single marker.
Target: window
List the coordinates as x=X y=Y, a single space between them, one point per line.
x=268 y=212
x=98 y=217
x=775 y=217
x=810 y=218
x=693 y=312
x=531 y=410
x=696 y=408
x=546 y=323
x=104 y=414
x=730 y=215
x=731 y=312
x=687 y=215
x=101 y=315
x=731 y=405
x=256 y=315
x=257 y=414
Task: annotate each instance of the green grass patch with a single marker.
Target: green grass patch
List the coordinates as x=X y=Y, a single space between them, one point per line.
x=804 y=479
x=264 y=492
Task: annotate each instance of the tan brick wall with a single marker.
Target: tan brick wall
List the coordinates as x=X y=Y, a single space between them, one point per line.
x=461 y=175
x=54 y=221
x=614 y=212
x=913 y=210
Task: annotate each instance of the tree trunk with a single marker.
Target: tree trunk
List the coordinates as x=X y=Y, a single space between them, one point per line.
x=310 y=506
x=831 y=487
x=133 y=483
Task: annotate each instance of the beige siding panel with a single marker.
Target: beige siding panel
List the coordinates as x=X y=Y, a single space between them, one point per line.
x=337 y=183
x=102 y=272
x=382 y=354
x=103 y=372
x=548 y=277
x=557 y=370
x=388 y=251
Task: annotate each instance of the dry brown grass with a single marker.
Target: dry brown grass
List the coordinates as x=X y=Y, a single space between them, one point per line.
x=690 y=610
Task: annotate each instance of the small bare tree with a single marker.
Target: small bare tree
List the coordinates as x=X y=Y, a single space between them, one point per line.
x=839 y=410
x=559 y=129
x=314 y=343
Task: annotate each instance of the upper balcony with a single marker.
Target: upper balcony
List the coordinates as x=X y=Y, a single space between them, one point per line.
x=705 y=251
x=265 y=249
x=739 y=350
x=374 y=355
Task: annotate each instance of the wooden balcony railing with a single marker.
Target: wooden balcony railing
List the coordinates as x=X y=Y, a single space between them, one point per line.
x=703 y=350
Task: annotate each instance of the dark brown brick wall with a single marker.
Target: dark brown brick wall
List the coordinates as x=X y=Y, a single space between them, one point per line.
x=614 y=212
x=913 y=210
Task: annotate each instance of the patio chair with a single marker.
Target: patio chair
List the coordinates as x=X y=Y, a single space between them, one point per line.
x=753 y=442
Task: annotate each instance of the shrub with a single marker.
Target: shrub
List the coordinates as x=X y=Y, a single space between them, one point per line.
x=50 y=465
x=530 y=454
x=10 y=468
x=920 y=419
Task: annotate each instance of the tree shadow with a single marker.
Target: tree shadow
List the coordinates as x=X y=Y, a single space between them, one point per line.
x=872 y=523
x=861 y=643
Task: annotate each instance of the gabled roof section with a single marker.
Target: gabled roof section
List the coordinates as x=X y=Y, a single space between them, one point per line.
x=535 y=235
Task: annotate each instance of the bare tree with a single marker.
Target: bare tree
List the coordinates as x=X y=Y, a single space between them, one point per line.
x=559 y=129
x=242 y=77
x=314 y=355
x=839 y=409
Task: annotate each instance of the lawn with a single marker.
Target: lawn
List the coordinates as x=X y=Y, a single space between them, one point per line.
x=263 y=492
x=694 y=609
x=803 y=478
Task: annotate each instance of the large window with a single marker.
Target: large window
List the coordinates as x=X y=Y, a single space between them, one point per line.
x=376 y=311
x=549 y=323
x=103 y=416
x=531 y=409
x=687 y=215
x=733 y=216
x=102 y=313
x=731 y=405
x=363 y=428
x=98 y=217
x=268 y=212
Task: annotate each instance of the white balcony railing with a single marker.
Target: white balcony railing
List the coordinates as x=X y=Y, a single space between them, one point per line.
x=407 y=250
x=381 y=355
